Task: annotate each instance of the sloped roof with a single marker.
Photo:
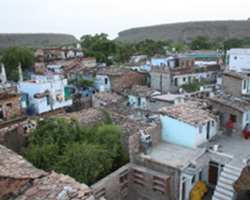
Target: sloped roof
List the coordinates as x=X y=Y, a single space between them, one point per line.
x=191 y=113
x=237 y=75
x=139 y=90
x=112 y=71
x=107 y=97
x=15 y=166
x=235 y=103
x=56 y=186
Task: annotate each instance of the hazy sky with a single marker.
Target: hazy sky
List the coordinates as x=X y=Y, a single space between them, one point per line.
x=79 y=17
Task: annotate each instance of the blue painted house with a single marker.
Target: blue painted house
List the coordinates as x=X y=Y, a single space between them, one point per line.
x=137 y=96
x=188 y=124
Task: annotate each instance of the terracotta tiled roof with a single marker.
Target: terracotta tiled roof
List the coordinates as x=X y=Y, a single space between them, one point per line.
x=15 y=166
x=112 y=71
x=237 y=75
x=139 y=90
x=231 y=102
x=107 y=97
x=56 y=186
x=190 y=113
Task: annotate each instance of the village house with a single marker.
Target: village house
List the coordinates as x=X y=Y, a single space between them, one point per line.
x=154 y=103
x=238 y=60
x=188 y=124
x=19 y=179
x=171 y=61
x=57 y=53
x=104 y=98
x=160 y=169
x=235 y=83
x=137 y=95
x=171 y=79
x=3 y=77
x=118 y=78
x=205 y=58
x=231 y=108
x=45 y=93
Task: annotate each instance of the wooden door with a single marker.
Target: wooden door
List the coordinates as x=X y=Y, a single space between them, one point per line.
x=183 y=190
x=213 y=173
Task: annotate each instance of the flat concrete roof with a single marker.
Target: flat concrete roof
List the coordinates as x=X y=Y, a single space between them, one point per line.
x=236 y=146
x=173 y=155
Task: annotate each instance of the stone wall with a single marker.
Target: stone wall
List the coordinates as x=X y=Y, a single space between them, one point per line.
x=160 y=81
x=225 y=112
x=231 y=85
x=11 y=186
x=13 y=138
x=129 y=78
x=11 y=107
x=83 y=104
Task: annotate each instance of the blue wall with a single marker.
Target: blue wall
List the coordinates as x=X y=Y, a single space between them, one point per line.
x=178 y=132
x=134 y=102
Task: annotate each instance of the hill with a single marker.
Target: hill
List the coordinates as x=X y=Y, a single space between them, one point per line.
x=36 y=40
x=186 y=31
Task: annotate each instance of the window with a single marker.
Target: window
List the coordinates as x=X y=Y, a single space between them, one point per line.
x=1 y=112
x=212 y=123
x=100 y=194
x=138 y=178
x=189 y=79
x=59 y=97
x=193 y=179
x=139 y=101
x=233 y=118
x=9 y=105
x=176 y=82
x=124 y=183
x=160 y=185
x=244 y=84
x=48 y=101
x=184 y=79
x=200 y=129
x=106 y=81
x=235 y=57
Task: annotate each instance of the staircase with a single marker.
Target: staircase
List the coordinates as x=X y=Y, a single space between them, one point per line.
x=224 y=189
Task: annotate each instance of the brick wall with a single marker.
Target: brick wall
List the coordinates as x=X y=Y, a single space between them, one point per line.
x=131 y=77
x=13 y=138
x=231 y=85
x=225 y=112
x=13 y=109
x=10 y=186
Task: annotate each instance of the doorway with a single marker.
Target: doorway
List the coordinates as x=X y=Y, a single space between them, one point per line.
x=208 y=130
x=1 y=112
x=213 y=173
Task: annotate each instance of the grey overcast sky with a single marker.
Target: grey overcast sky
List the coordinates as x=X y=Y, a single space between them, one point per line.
x=80 y=17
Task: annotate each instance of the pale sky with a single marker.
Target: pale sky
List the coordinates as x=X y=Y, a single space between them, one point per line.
x=80 y=17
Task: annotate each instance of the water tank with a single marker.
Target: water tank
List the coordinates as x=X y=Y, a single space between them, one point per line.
x=30 y=111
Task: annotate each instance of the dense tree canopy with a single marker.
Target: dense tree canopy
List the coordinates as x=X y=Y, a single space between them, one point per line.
x=81 y=82
x=85 y=154
x=12 y=56
x=201 y=43
x=233 y=43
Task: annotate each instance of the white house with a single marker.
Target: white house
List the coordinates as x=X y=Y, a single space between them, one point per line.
x=239 y=60
x=188 y=124
x=46 y=93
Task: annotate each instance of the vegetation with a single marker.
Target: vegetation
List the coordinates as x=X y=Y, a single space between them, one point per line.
x=232 y=43
x=11 y=58
x=85 y=154
x=36 y=40
x=179 y=32
x=192 y=87
x=81 y=82
x=201 y=43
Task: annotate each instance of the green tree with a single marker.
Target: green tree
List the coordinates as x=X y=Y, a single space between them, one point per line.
x=85 y=162
x=12 y=56
x=200 y=42
x=81 y=82
x=99 y=46
x=85 y=154
x=232 y=43
x=192 y=87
